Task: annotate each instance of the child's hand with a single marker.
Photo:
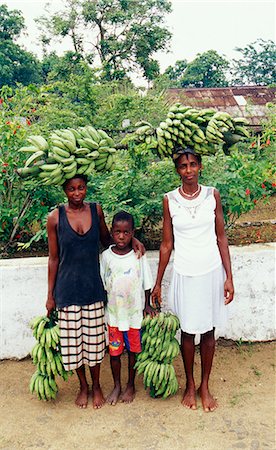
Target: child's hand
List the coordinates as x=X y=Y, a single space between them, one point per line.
x=150 y=310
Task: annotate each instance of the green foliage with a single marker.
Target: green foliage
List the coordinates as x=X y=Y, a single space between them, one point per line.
x=206 y=70
x=11 y=23
x=16 y=64
x=65 y=67
x=119 y=101
x=242 y=179
x=137 y=185
x=175 y=73
x=126 y=33
x=256 y=65
x=23 y=205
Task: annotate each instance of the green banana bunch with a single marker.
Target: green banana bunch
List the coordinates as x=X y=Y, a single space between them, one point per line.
x=202 y=129
x=146 y=133
x=47 y=357
x=159 y=348
x=67 y=153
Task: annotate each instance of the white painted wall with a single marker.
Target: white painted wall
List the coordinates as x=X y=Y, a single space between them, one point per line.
x=251 y=315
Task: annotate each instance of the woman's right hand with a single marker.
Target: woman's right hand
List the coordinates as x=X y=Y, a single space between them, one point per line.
x=50 y=305
x=156 y=296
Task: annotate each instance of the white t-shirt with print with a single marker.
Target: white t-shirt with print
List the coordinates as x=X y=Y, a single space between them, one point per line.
x=125 y=278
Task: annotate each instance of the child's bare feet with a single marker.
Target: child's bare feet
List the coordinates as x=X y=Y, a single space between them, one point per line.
x=113 y=397
x=189 y=397
x=129 y=394
x=209 y=403
x=97 y=397
x=82 y=397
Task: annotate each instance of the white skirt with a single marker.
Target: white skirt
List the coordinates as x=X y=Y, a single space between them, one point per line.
x=198 y=301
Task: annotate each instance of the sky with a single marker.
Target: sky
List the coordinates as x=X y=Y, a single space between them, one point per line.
x=197 y=26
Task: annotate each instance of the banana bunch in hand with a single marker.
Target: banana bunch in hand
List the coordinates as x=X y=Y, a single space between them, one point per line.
x=47 y=357
x=159 y=348
x=67 y=153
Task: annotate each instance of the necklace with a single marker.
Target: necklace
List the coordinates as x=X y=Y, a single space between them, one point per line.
x=190 y=195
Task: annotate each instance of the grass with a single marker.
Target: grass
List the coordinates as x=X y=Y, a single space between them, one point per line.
x=256 y=371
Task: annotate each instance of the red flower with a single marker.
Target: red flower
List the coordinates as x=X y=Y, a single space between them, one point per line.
x=268 y=142
x=14 y=131
x=18 y=236
x=18 y=126
x=28 y=122
x=1 y=101
x=247 y=192
x=263 y=185
x=253 y=144
x=8 y=123
x=254 y=201
x=4 y=171
x=273 y=184
x=5 y=164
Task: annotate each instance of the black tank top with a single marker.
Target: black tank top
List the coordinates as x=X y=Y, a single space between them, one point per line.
x=78 y=279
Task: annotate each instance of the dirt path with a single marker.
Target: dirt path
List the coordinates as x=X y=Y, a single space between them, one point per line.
x=243 y=380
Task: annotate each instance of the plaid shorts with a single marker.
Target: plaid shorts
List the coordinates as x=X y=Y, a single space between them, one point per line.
x=82 y=335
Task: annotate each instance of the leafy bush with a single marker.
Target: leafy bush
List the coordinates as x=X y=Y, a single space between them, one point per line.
x=137 y=185
x=241 y=178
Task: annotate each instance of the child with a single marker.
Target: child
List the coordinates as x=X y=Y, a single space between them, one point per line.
x=124 y=277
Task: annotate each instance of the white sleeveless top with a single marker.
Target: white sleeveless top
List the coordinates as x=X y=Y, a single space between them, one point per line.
x=195 y=241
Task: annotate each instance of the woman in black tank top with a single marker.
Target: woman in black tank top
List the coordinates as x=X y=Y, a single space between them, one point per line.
x=75 y=287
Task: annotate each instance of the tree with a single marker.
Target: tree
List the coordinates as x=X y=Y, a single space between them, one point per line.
x=206 y=70
x=57 y=68
x=257 y=64
x=176 y=72
x=123 y=34
x=16 y=64
x=11 y=23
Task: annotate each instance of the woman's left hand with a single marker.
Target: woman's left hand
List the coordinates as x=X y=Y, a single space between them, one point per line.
x=150 y=310
x=138 y=247
x=228 y=291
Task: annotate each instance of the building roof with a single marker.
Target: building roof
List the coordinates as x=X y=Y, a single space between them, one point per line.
x=239 y=101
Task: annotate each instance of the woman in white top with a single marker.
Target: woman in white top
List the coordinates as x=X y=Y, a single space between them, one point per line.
x=201 y=283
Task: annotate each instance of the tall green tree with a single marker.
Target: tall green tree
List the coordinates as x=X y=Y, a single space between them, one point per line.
x=16 y=64
x=122 y=35
x=256 y=65
x=176 y=72
x=208 y=69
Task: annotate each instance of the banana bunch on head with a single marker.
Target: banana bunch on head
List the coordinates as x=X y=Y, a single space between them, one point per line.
x=67 y=153
x=204 y=130
x=160 y=347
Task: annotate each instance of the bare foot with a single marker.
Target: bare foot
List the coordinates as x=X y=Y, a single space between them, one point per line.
x=113 y=397
x=129 y=394
x=98 y=398
x=82 y=397
x=209 y=403
x=189 y=398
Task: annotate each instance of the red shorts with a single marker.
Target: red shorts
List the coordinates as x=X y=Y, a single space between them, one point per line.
x=131 y=339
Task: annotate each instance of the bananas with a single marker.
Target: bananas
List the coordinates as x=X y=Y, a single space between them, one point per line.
x=69 y=152
x=202 y=129
x=47 y=358
x=160 y=347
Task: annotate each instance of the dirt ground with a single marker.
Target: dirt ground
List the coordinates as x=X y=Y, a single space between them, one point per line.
x=243 y=380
